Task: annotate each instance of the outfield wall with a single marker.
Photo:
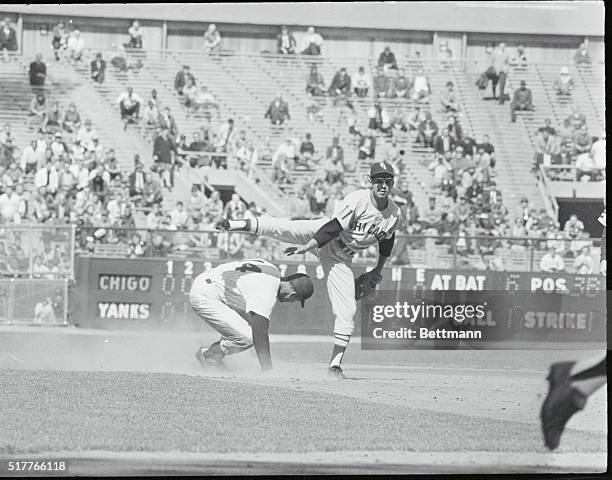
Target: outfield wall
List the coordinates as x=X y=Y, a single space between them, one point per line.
x=154 y=294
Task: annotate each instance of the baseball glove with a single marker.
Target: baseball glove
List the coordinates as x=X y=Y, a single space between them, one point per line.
x=366 y=284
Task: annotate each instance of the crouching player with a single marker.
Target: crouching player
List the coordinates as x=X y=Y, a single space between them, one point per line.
x=236 y=299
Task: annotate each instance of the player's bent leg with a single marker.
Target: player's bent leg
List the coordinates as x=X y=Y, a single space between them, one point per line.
x=236 y=334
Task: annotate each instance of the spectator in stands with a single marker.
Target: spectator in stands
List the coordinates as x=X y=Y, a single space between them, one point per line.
x=421 y=90
x=552 y=262
x=500 y=62
x=334 y=170
x=152 y=115
x=386 y=60
x=129 y=105
x=573 y=227
x=86 y=134
x=307 y=152
x=335 y=151
x=582 y=141
x=585 y=167
x=76 y=45
x=449 y=98
x=72 y=120
x=47 y=176
x=520 y=59
x=58 y=41
x=8 y=38
x=204 y=100
x=367 y=146
x=285 y=42
x=312 y=42
x=381 y=84
x=278 y=111
x=38 y=72
x=340 y=87
x=98 y=68
x=548 y=149
x=288 y=150
x=167 y=121
x=53 y=120
x=564 y=84
x=582 y=56
x=362 y=82
x=38 y=110
x=235 y=208
x=181 y=79
x=179 y=215
x=444 y=143
x=317 y=197
x=522 y=100
x=164 y=157
x=400 y=85
x=212 y=39
x=547 y=127
x=315 y=85
x=583 y=263
x=135 y=33
x=30 y=158
x=428 y=131
x=379 y=118
x=576 y=118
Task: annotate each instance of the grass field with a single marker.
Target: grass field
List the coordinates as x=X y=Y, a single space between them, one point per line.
x=140 y=403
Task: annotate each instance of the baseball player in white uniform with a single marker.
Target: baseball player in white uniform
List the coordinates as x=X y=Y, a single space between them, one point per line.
x=365 y=217
x=236 y=299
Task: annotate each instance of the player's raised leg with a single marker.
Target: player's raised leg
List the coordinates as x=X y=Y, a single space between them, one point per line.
x=341 y=290
x=283 y=229
x=570 y=384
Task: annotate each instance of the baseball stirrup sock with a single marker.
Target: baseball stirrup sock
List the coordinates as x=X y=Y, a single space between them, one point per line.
x=340 y=343
x=241 y=225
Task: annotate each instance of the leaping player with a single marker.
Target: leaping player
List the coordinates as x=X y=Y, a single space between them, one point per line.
x=366 y=217
x=236 y=299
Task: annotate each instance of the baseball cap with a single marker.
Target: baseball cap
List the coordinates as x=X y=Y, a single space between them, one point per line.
x=303 y=286
x=380 y=169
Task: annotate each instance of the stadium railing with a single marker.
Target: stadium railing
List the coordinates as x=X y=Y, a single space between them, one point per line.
x=419 y=251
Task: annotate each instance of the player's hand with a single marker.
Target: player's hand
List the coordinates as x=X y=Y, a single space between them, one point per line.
x=294 y=251
x=603 y=267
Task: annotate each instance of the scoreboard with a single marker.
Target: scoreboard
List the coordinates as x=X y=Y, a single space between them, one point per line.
x=154 y=293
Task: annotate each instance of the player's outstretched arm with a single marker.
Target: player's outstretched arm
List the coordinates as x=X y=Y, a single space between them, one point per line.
x=261 y=340
x=325 y=234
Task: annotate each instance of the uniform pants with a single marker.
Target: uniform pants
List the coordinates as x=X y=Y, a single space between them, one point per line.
x=335 y=263
x=236 y=333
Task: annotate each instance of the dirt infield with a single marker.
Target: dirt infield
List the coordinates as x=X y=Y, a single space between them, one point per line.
x=108 y=398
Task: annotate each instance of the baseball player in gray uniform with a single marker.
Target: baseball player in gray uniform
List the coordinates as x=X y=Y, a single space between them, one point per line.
x=365 y=217
x=236 y=299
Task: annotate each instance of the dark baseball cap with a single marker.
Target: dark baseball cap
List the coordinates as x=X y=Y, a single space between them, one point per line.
x=303 y=286
x=382 y=169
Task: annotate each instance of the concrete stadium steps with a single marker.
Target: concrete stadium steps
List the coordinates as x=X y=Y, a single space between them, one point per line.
x=587 y=88
x=15 y=97
x=513 y=150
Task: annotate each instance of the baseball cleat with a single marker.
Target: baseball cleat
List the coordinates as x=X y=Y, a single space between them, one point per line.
x=336 y=371
x=560 y=404
x=211 y=357
x=222 y=224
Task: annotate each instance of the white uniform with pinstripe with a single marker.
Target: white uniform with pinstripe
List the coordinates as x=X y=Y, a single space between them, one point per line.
x=363 y=226
x=224 y=296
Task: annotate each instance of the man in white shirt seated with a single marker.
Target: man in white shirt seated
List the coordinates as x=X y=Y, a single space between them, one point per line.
x=585 y=167
x=129 y=104
x=598 y=152
x=552 y=262
x=76 y=45
x=362 y=82
x=312 y=43
x=288 y=149
x=30 y=158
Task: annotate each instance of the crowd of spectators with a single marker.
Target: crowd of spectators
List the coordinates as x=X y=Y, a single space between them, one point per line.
x=571 y=145
x=77 y=180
